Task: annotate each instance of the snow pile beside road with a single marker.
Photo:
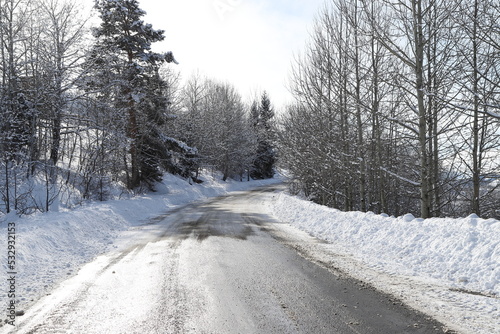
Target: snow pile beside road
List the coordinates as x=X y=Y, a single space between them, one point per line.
x=447 y=268
x=464 y=253
x=51 y=247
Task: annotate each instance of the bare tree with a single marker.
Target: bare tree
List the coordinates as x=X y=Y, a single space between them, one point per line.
x=477 y=98
x=63 y=33
x=16 y=113
x=414 y=38
x=215 y=121
x=378 y=84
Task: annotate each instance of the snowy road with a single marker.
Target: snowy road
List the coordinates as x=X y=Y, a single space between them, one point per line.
x=221 y=266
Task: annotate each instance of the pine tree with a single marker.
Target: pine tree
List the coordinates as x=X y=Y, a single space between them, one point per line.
x=262 y=116
x=124 y=67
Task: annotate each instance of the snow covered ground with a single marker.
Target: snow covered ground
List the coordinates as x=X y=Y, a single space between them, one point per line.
x=52 y=247
x=449 y=268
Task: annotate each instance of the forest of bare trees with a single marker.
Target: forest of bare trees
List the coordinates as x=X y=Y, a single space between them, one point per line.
x=93 y=113
x=398 y=108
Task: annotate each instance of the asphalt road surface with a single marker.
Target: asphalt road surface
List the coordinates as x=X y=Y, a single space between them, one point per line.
x=221 y=266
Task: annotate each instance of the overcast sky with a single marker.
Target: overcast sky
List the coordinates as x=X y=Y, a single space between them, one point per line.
x=249 y=43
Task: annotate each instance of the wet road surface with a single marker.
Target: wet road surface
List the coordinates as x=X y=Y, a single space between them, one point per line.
x=221 y=266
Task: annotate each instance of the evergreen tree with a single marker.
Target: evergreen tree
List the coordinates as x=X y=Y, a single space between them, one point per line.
x=262 y=116
x=126 y=71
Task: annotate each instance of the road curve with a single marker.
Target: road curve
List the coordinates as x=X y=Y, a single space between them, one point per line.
x=221 y=266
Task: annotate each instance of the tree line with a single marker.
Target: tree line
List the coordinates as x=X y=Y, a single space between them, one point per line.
x=397 y=108
x=89 y=114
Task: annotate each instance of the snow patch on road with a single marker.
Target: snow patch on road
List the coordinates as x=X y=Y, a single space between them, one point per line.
x=53 y=246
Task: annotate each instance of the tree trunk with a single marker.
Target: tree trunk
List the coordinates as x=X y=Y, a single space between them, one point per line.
x=7 y=190
x=134 y=150
x=476 y=170
x=133 y=129
x=361 y=157
x=425 y=199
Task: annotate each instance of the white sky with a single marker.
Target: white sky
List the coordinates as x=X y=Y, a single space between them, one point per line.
x=249 y=43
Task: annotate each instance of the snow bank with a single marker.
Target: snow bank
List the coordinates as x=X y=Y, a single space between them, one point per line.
x=53 y=246
x=463 y=253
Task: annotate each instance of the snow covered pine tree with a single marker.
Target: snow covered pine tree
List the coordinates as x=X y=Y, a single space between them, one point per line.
x=125 y=41
x=262 y=115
